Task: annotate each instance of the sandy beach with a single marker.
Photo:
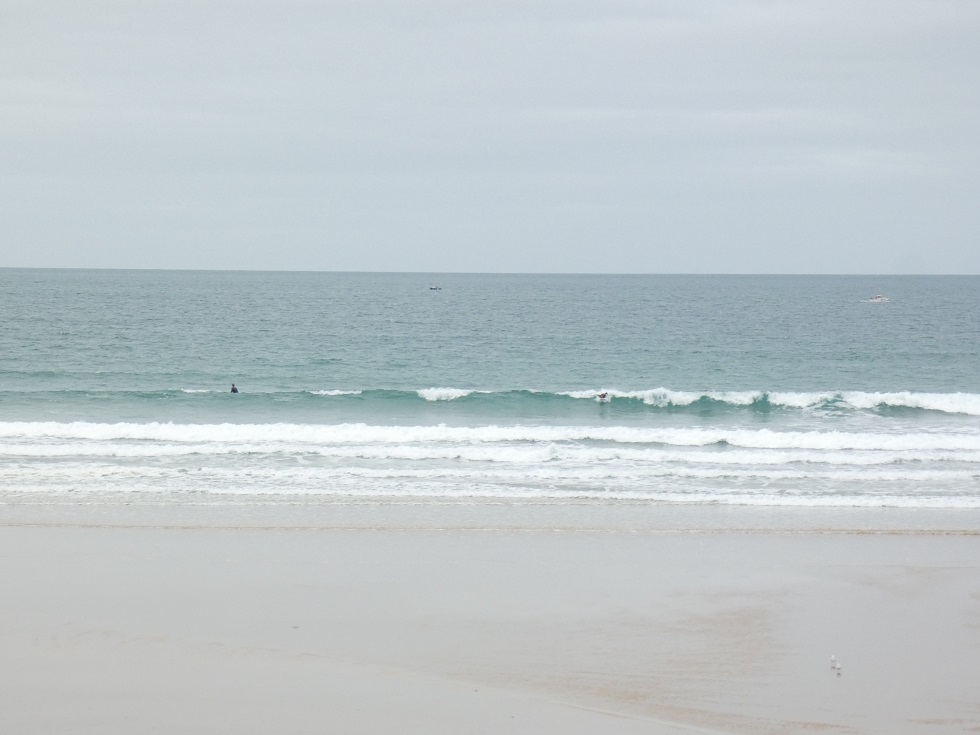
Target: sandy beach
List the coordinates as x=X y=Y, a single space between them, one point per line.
x=486 y=618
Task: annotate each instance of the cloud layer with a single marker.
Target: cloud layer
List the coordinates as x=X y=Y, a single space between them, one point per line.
x=500 y=136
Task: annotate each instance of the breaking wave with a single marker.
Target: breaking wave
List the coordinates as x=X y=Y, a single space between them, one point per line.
x=964 y=403
x=938 y=467
x=359 y=433
x=654 y=399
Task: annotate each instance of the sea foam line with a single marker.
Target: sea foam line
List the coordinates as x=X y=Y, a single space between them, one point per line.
x=507 y=453
x=283 y=477
x=356 y=487
x=964 y=403
x=320 y=434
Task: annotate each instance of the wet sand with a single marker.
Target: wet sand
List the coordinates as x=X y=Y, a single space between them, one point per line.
x=486 y=618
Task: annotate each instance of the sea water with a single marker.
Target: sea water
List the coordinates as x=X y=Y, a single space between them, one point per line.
x=763 y=390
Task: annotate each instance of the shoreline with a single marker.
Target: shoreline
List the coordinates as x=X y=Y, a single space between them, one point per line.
x=386 y=513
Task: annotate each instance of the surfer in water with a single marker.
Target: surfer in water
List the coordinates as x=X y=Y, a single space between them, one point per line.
x=603 y=396
x=233 y=388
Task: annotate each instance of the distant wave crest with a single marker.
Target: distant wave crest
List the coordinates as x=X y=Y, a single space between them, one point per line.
x=965 y=403
x=649 y=399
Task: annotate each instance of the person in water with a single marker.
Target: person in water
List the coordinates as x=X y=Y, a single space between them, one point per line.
x=233 y=388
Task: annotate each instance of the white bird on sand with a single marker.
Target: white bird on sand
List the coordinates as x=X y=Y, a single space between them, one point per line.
x=833 y=661
x=837 y=666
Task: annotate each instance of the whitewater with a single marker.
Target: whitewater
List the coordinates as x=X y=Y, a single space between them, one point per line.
x=772 y=391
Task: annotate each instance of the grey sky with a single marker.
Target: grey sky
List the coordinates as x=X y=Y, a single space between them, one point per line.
x=493 y=135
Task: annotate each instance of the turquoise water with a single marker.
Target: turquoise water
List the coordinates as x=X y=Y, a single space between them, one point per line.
x=744 y=389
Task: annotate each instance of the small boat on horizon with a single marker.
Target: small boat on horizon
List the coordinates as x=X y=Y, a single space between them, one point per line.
x=879 y=299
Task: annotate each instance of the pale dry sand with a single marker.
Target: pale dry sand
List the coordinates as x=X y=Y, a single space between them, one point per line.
x=481 y=618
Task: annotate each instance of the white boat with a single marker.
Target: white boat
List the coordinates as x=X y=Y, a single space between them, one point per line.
x=878 y=299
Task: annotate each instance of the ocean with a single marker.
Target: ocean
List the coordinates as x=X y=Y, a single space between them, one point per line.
x=747 y=390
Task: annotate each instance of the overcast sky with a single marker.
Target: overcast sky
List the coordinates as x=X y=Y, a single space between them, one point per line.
x=492 y=135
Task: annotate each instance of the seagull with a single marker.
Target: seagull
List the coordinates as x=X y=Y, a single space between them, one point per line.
x=837 y=666
x=833 y=661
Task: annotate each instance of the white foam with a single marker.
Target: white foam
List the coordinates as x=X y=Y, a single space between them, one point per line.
x=366 y=433
x=935 y=467
x=964 y=403
x=288 y=476
x=581 y=456
x=211 y=482
x=661 y=397
x=582 y=393
x=335 y=392
x=442 y=394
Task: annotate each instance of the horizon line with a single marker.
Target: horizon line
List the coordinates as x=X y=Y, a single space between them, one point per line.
x=482 y=273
